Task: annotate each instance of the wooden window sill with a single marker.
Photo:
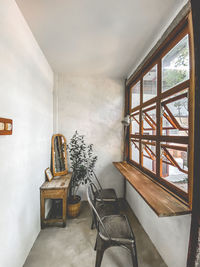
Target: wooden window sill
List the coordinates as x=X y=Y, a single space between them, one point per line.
x=162 y=202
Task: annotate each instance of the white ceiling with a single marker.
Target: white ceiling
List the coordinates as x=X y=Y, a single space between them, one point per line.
x=103 y=38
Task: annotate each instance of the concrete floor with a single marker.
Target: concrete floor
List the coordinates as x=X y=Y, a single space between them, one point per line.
x=73 y=246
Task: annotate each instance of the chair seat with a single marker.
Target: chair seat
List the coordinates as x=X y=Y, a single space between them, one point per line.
x=118 y=228
x=110 y=208
x=107 y=194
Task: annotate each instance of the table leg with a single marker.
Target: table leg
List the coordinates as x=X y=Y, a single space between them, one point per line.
x=42 y=210
x=64 y=209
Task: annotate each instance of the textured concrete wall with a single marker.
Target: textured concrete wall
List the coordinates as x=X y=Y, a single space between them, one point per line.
x=170 y=235
x=94 y=107
x=26 y=96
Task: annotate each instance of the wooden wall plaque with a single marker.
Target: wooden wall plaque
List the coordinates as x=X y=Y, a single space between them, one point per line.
x=6 y=126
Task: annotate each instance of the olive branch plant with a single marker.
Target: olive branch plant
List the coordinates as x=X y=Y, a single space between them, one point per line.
x=82 y=161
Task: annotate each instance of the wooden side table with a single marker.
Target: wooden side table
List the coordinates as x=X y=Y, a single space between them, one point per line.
x=56 y=189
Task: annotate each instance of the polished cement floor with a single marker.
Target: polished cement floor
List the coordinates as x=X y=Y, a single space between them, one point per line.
x=73 y=245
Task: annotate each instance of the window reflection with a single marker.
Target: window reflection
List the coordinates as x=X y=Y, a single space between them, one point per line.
x=175 y=65
x=150 y=84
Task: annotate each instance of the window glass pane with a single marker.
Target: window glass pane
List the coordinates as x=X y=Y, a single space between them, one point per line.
x=135 y=124
x=175 y=65
x=150 y=84
x=174 y=166
x=135 y=95
x=149 y=155
x=135 y=153
x=149 y=120
x=175 y=115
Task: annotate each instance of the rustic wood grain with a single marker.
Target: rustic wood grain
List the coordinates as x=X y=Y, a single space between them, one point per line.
x=161 y=201
x=56 y=189
x=57 y=182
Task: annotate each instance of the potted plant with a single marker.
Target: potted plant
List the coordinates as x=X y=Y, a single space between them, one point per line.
x=82 y=162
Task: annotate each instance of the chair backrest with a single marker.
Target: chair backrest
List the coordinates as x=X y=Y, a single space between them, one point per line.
x=93 y=178
x=96 y=192
x=90 y=198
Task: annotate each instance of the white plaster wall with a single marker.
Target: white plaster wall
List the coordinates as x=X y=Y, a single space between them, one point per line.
x=26 y=96
x=94 y=107
x=170 y=235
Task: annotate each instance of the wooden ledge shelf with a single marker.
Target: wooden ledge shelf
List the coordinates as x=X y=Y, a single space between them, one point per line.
x=163 y=203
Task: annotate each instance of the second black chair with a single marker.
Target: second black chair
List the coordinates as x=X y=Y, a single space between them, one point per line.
x=105 y=194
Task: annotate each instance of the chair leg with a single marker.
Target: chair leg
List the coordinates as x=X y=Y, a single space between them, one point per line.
x=92 y=225
x=134 y=255
x=99 y=257
x=95 y=246
x=93 y=221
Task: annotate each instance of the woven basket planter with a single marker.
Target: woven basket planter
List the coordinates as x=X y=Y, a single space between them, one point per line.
x=74 y=206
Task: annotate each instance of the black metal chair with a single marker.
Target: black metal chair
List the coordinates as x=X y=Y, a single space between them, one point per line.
x=104 y=208
x=102 y=194
x=107 y=194
x=113 y=230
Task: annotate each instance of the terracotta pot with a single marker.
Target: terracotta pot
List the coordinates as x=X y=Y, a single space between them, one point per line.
x=74 y=206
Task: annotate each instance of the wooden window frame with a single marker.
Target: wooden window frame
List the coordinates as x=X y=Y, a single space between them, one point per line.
x=174 y=37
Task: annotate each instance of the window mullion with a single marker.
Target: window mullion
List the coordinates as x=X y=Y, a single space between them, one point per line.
x=158 y=119
x=141 y=121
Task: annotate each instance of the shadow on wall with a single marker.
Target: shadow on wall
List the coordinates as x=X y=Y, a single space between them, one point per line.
x=110 y=177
